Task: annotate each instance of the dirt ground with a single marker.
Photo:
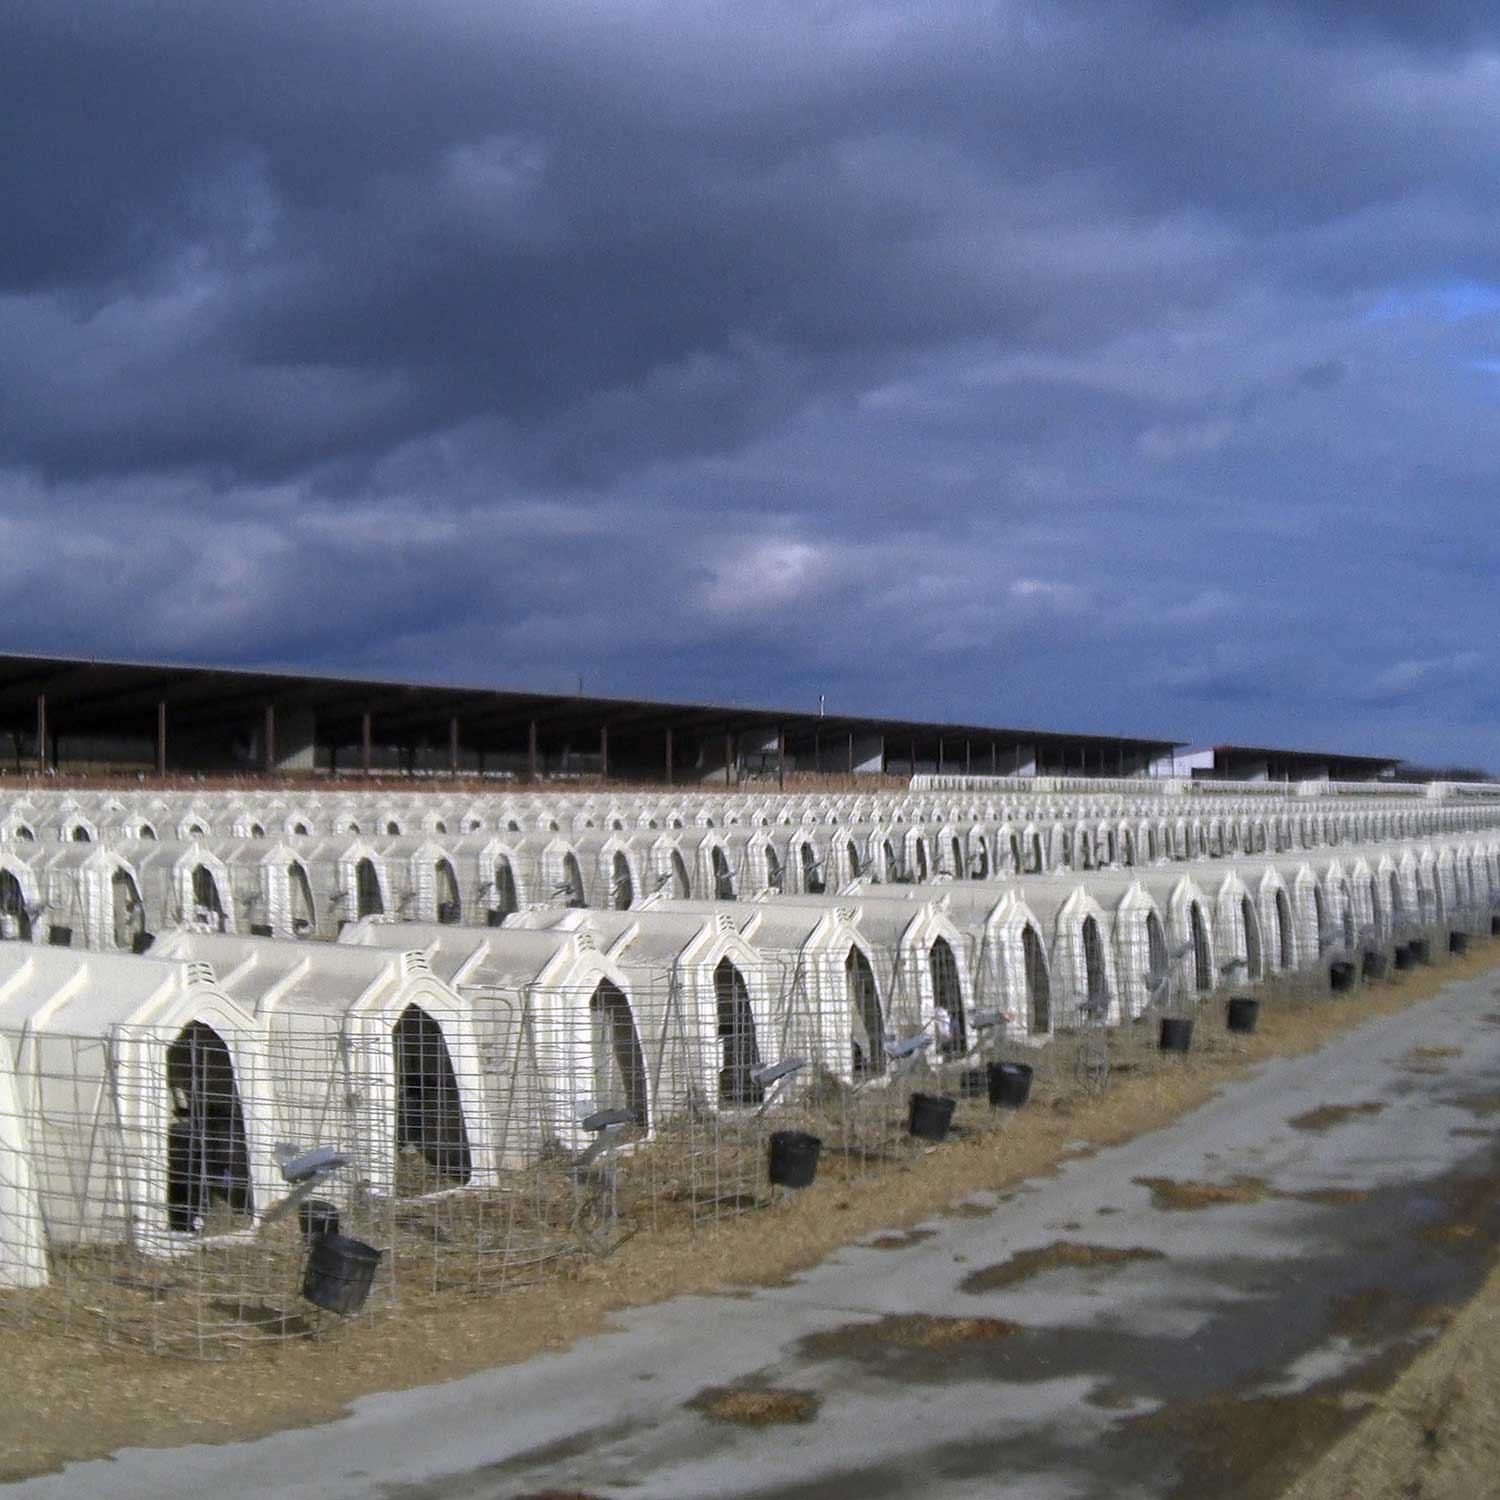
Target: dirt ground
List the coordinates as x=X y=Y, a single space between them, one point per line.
x=69 y=1399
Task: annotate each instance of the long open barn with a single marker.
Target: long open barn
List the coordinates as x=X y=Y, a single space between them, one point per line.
x=83 y=714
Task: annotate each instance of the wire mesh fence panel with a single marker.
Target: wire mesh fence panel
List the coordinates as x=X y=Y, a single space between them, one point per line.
x=206 y=1188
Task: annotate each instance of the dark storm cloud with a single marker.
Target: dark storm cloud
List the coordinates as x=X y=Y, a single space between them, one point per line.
x=1123 y=367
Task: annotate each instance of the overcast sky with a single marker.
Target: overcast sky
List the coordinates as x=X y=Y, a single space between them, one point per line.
x=1120 y=366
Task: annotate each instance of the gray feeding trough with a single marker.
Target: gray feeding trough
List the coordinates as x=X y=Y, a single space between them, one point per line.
x=904 y=1054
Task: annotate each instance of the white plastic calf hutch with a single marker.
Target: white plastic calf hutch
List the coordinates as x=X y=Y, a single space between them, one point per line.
x=716 y=1009
x=837 y=1008
x=23 y=1246
x=921 y=960
x=1010 y=971
x=143 y=1089
x=557 y=1025
x=369 y=1053
x=93 y=898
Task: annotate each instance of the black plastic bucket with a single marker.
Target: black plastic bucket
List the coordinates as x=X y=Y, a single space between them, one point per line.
x=1458 y=942
x=60 y=937
x=1421 y=951
x=339 y=1273
x=142 y=941
x=1341 y=975
x=1403 y=958
x=1010 y=1084
x=1373 y=965
x=317 y=1216
x=260 y=929
x=794 y=1158
x=493 y=918
x=1241 y=1014
x=1176 y=1034
x=930 y=1116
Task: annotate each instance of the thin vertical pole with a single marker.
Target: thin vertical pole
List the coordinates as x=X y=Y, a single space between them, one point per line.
x=533 y=758
x=994 y=760
x=669 y=757
x=728 y=757
x=270 y=739
x=968 y=759
x=41 y=731
x=453 y=744
x=604 y=751
x=366 y=742
x=780 y=758
x=851 y=752
x=161 y=739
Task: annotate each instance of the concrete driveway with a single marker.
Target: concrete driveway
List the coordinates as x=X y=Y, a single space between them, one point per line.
x=1089 y=1335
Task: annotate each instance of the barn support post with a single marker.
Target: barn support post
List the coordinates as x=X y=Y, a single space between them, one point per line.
x=851 y=752
x=269 y=747
x=669 y=757
x=41 y=731
x=604 y=752
x=366 y=741
x=161 y=739
x=453 y=744
x=728 y=758
x=533 y=758
x=994 y=759
x=780 y=758
x=968 y=759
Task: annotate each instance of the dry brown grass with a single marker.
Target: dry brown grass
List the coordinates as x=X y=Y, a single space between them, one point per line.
x=70 y=1399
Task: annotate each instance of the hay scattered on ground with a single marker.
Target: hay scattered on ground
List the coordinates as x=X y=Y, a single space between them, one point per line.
x=1428 y=1059
x=1326 y=1116
x=900 y=1241
x=1173 y=1195
x=1330 y=1197
x=1062 y=1255
x=907 y=1331
x=756 y=1408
